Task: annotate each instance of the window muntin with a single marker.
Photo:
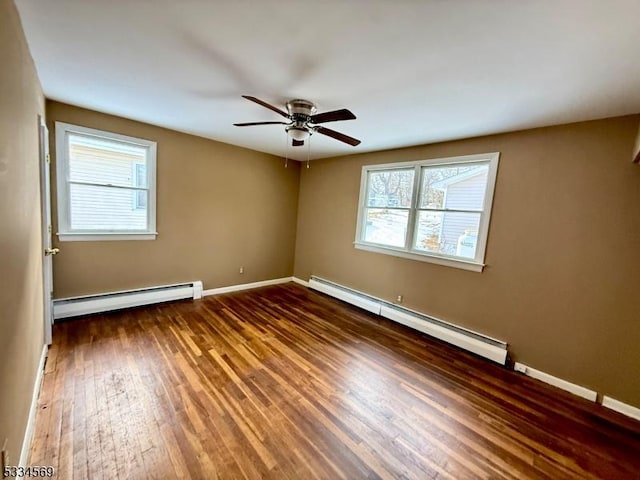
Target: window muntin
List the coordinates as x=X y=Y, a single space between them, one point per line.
x=106 y=185
x=434 y=210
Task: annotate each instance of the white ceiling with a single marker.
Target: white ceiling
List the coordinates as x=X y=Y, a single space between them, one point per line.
x=413 y=72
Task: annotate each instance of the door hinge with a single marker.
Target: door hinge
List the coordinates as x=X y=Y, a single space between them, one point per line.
x=48 y=158
x=49 y=228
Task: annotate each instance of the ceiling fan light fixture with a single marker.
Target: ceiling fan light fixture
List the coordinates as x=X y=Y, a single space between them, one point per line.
x=298 y=133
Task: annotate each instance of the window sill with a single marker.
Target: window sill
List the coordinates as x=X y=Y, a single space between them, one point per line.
x=105 y=236
x=447 y=262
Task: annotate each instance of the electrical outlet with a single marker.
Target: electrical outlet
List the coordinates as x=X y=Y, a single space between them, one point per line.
x=399 y=298
x=241 y=271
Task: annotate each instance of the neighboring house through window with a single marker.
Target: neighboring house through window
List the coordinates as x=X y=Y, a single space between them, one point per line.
x=106 y=185
x=433 y=210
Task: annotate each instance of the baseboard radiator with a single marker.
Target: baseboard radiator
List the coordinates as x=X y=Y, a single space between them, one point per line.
x=71 y=307
x=469 y=340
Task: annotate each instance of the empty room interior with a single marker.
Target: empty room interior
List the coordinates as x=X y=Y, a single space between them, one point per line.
x=285 y=239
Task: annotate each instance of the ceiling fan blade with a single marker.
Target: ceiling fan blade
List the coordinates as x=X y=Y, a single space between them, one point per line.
x=249 y=124
x=333 y=116
x=266 y=105
x=338 y=136
x=297 y=143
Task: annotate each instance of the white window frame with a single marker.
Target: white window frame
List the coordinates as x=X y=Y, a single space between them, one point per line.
x=477 y=264
x=65 y=233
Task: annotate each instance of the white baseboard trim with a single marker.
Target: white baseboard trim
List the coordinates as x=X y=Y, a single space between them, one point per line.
x=300 y=281
x=620 y=407
x=556 y=382
x=246 y=286
x=33 y=410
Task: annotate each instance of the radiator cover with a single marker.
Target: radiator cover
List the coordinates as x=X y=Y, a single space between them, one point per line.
x=495 y=350
x=71 y=307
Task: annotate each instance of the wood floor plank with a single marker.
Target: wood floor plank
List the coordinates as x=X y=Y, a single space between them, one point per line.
x=284 y=383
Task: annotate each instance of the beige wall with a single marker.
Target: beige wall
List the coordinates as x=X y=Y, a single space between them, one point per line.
x=21 y=307
x=219 y=207
x=563 y=276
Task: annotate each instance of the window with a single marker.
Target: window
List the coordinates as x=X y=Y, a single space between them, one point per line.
x=106 y=185
x=434 y=210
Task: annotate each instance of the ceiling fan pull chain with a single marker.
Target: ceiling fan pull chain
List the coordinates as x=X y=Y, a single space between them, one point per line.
x=308 y=150
x=286 y=149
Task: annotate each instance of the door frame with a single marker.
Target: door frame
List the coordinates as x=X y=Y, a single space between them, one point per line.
x=47 y=260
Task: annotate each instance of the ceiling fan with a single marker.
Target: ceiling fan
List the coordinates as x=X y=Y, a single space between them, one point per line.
x=304 y=121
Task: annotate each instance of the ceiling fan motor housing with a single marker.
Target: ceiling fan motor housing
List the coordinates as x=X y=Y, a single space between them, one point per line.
x=299 y=107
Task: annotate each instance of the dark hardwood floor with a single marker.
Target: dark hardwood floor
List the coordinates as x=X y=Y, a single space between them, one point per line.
x=285 y=383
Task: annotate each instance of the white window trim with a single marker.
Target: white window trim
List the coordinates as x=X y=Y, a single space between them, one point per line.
x=62 y=176
x=477 y=264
